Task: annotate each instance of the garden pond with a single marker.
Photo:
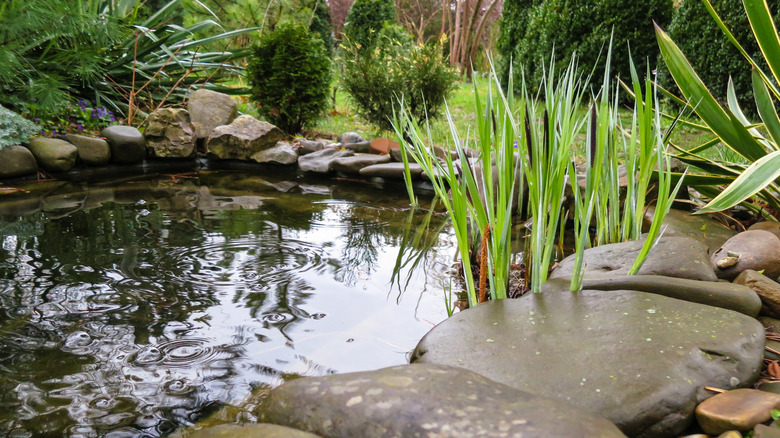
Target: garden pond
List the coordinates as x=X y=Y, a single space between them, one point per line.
x=136 y=305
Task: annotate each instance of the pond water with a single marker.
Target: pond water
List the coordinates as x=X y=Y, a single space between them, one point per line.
x=133 y=307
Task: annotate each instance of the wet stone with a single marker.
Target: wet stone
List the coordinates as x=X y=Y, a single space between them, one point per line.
x=321 y=161
x=730 y=434
x=763 y=431
x=127 y=144
x=241 y=139
x=772 y=227
x=352 y=165
x=758 y=250
x=767 y=289
x=17 y=161
x=391 y=171
x=350 y=137
x=740 y=409
x=678 y=257
x=638 y=359
x=209 y=109
x=283 y=153
x=423 y=401
x=729 y=296
x=251 y=431
x=169 y=134
x=92 y=151
x=54 y=154
x=702 y=228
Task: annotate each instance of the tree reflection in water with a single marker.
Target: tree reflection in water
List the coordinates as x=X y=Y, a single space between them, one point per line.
x=138 y=307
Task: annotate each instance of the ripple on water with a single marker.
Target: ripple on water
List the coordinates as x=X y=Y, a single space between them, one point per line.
x=248 y=262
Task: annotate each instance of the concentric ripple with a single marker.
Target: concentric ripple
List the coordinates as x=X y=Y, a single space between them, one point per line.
x=248 y=262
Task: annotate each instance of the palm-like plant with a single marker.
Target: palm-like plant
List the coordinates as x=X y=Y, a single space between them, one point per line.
x=57 y=50
x=756 y=143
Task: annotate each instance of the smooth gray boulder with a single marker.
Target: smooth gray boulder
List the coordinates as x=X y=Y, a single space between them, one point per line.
x=282 y=153
x=321 y=161
x=678 y=257
x=350 y=137
x=758 y=250
x=17 y=161
x=251 y=431
x=729 y=296
x=640 y=360
x=309 y=146
x=127 y=144
x=54 y=154
x=169 y=134
x=698 y=227
x=423 y=401
x=391 y=171
x=352 y=165
x=92 y=151
x=241 y=139
x=209 y=109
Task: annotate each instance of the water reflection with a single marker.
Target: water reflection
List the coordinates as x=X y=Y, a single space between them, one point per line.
x=129 y=309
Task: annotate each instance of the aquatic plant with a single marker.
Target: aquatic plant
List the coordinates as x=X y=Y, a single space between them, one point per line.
x=531 y=144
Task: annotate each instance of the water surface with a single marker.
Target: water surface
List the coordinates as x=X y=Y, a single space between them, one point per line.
x=133 y=307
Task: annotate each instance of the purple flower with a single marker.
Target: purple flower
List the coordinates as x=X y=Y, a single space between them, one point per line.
x=79 y=127
x=113 y=119
x=43 y=132
x=37 y=120
x=54 y=132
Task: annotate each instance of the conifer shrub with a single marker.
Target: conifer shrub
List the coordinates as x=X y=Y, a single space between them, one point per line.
x=396 y=68
x=290 y=77
x=366 y=18
x=584 y=27
x=712 y=55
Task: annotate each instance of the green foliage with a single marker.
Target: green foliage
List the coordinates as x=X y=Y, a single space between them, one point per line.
x=533 y=143
x=321 y=24
x=394 y=68
x=15 y=129
x=760 y=147
x=80 y=117
x=716 y=58
x=290 y=77
x=366 y=19
x=512 y=29
x=55 y=52
x=583 y=27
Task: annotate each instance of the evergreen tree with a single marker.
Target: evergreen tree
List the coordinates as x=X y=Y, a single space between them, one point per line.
x=366 y=19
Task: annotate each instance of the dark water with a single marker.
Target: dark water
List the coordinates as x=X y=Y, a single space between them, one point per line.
x=131 y=308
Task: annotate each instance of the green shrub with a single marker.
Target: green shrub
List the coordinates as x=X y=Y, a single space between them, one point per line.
x=15 y=129
x=321 y=24
x=584 y=27
x=512 y=29
x=393 y=68
x=290 y=77
x=365 y=20
x=713 y=57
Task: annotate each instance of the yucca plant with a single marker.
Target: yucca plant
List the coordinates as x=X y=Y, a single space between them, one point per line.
x=755 y=143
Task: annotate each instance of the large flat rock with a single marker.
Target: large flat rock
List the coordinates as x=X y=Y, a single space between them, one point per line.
x=424 y=401
x=701 y=227
x=638 y=359
x=679 y=257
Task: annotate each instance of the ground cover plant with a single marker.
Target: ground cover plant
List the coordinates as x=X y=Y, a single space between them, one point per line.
x=756 y=143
